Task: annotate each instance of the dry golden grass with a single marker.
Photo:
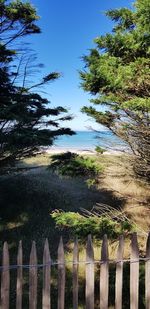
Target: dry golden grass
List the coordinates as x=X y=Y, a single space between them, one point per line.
x=119 y=177
x=121 y=180
x=39 y=160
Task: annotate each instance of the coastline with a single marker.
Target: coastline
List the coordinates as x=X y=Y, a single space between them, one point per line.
x=55 y=150
x=85 y=142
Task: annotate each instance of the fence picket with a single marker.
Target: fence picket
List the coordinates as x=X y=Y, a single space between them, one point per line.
x=147 y=274
x=104 y=275
x=46 y=296
x=119 y=274
x=5 y=278
x=75 y=274
x=89 y=274
x=134 y=273
x=89 y=267
x=33 y=278
x=61 y=275
x=19 y=277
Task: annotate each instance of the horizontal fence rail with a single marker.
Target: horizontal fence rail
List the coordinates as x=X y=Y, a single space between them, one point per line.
x=104 y=275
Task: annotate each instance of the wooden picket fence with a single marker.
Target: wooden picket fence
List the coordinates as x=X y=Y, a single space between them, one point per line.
x=89 y=275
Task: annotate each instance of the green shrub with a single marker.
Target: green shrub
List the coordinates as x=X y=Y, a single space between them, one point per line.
x=99 y=150
x=72 y=164
x=81 y=226
x=91 y=182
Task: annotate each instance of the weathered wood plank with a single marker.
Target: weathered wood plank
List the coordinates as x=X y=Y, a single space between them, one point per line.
x=134 y=273
x=147 y=274
x=75 y=274
x=61 y=275
x=46 y=296
x=5 y=278
x=104 y=275
x=89 y=290
x=33 y=278
x=19 y=277
x=119 y=275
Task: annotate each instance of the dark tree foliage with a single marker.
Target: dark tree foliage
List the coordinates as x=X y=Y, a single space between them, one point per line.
x=117 y=73
x=26 y=119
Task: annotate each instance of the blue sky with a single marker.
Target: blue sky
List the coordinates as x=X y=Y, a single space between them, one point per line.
x=68 y=29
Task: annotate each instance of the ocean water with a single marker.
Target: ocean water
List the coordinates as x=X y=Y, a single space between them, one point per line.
x=88 y=140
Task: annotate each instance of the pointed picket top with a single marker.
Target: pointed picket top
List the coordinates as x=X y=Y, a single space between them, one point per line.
x=46 y=253
x=104 y=250
x=33 y=278
x=119 y=274
x=33 y=255
x=46 y=296
x=5 y=278
x=89 y=249
x=89 y=290
x=61 y=250
x=75 y=273
x=120 y=250
x=148 y=246
x=147 y=274
x=19 y=258
x=20 y=254
x=61 y=275
x=104 y=274
x=19 y=277
x=134 y=246
x=134 y=273
x=5 y=254
x=75 y=251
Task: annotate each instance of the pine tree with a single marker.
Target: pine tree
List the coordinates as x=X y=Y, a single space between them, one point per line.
x=117 y=73
x=27 y=121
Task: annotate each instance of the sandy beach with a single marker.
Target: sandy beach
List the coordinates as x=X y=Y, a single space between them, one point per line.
x=86 y=151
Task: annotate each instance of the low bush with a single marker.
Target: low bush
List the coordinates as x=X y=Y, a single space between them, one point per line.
x=72 y=164
x=81 y=226
x=99 y=150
